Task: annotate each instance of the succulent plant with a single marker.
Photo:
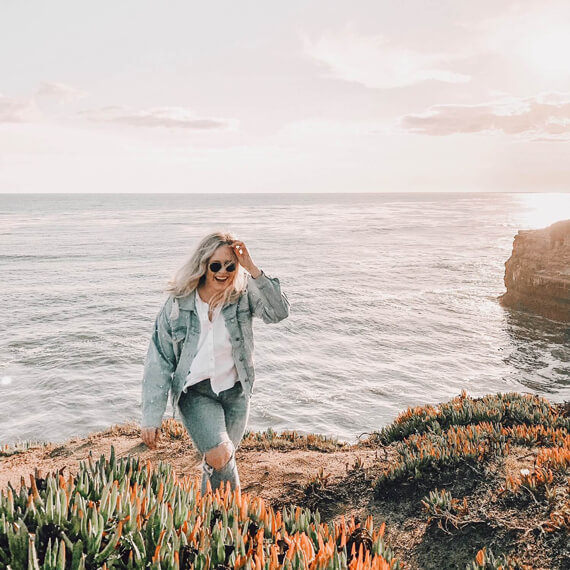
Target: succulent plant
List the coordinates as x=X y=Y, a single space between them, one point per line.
x=486 y=560
x=13 y=449
x=432 y=439
x=506 y=409
x=124 y=513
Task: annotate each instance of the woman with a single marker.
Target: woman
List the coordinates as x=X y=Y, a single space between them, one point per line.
x=201 y=351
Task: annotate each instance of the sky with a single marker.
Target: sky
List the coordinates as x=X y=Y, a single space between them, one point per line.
x=295 y=96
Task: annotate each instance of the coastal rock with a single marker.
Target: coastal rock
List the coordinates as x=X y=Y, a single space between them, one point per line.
x=537 y=275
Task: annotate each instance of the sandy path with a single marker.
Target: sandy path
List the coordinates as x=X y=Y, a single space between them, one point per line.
x=271 y=474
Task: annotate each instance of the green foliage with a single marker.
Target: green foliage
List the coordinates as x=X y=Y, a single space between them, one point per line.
x=486 y=560
x=422 y=455
x=126 y=514
x=270 y=439
x=430 y=440
x=440 y=506
x=437 y=502
x=506 y=409
x=7 y=450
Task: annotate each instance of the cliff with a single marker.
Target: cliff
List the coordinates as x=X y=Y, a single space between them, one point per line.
x=462 y=483
x=537 y=275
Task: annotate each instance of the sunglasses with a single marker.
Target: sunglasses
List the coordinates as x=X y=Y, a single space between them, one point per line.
x=215 y=266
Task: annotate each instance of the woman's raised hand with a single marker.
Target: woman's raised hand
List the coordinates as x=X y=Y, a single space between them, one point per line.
x=244 y=258
x=150 y=436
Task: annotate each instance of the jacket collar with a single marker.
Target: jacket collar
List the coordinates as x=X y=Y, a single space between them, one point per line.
x=188 y=303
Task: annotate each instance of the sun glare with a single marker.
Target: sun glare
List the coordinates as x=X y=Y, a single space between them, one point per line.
x=541 y=210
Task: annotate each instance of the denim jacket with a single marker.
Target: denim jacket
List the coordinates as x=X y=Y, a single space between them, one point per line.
x=174 y=342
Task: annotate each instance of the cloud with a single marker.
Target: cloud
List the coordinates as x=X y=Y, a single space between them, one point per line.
x=376 y=62
x=26 y=109
x=18 y=110
x=545 y=114
x=60 y=91
x=169 y=117
x=551 y=139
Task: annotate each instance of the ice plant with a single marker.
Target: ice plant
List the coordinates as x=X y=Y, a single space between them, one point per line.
x=13 y=449
x=486 y=560
x=422 y=454
x=130 y=514
x=433 y=439
x=506 y=409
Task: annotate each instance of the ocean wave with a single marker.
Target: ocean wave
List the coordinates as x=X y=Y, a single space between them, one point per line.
x=40 y=256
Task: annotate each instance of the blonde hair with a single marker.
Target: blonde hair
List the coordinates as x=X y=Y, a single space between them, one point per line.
x=193 y=272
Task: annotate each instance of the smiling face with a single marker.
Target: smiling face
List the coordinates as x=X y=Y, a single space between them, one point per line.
x=218 y=281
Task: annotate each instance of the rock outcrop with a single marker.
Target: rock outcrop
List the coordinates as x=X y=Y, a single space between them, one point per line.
x=537 y=275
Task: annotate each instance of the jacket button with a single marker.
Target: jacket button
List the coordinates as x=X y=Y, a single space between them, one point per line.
x=237 y=337
x=241 y=357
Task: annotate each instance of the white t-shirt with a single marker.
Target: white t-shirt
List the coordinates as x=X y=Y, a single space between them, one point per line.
x=213 y=358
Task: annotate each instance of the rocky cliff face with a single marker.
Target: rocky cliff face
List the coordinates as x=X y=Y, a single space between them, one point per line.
x=537 y=275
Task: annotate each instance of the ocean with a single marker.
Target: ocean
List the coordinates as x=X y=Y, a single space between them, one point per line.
x=393 y=304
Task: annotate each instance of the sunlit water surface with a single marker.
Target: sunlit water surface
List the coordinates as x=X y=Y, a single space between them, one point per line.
x=394 y=303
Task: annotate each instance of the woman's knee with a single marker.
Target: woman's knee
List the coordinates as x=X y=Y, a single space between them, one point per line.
x=218 y=457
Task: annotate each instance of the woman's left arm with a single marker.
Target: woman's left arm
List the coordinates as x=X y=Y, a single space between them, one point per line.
x=266 y=300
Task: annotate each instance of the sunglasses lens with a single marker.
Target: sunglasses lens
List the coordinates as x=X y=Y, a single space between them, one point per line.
x=215 y=266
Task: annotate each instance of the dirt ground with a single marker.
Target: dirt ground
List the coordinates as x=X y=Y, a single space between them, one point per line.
x=263 y=472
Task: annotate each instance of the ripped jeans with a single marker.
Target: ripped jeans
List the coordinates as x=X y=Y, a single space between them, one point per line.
x=216 y=425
